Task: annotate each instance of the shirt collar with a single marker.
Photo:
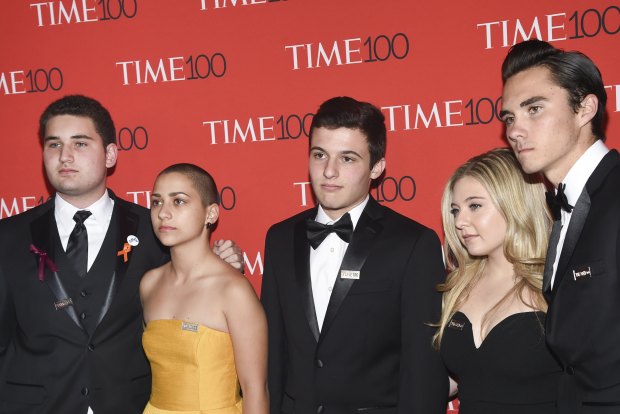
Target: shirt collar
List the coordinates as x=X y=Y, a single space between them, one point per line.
x=580 y=172
x=100 y=209
x=355 y=214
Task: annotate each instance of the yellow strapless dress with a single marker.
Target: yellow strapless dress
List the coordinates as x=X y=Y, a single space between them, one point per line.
x=193 y=369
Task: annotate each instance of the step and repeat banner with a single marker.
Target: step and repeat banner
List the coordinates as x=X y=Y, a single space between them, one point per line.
x=231 y=85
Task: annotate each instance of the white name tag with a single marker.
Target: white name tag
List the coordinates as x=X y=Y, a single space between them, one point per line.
x=350 y=274
x=188 y=326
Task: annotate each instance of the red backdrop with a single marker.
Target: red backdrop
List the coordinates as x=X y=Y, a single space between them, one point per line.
x=231 y=85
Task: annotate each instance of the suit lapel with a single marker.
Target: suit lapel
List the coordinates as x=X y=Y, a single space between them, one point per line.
x=575 y=227
x=127 y=224
x=551 y=254
x=364 y=236
x=302 y=273
x=42 y=230
x=610 y=161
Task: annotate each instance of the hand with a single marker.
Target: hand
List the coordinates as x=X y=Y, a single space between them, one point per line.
x=228 y=251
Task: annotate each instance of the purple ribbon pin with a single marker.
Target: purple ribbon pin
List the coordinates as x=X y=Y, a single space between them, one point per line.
x=44 y=259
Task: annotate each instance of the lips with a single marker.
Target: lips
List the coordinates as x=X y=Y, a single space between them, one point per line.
x=330 y=187
x=66 y=171
x=165 y=229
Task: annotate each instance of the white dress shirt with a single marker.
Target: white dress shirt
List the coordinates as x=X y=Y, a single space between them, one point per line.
x=575 y=181
x=96 y=225
x=326 y=259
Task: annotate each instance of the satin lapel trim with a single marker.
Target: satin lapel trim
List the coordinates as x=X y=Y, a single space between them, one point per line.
x=302 y=274
x=553 y=244
x=575 y=227
x=60 y=293
x=41 y=231
x=127 y=224
x=365 y=235
x=108 y=299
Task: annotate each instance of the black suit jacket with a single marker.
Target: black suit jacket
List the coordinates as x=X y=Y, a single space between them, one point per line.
x=374 y=351
x=50 y=364
x=583 y=320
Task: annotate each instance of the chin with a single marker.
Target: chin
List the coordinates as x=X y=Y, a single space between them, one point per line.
x=528 y=169
x=164 y=240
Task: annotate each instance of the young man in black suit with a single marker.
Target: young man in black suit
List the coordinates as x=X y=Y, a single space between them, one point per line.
x=349 y=286
x=70 y=314
x=554 y=108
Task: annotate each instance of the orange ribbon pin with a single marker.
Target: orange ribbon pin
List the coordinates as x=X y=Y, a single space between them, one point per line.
x=125 y=251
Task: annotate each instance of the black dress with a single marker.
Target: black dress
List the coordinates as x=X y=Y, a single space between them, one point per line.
x=512 y=372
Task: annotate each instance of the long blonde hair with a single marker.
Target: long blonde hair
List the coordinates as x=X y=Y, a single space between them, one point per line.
x=520 y=199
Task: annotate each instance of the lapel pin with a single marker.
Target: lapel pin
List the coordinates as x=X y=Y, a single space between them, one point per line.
x=454 y=324
x=350 y=274
x=44 y=260
x=133 y=240
x=188 y=326
x=63 y=303
x=124 y=252
x=582 y=273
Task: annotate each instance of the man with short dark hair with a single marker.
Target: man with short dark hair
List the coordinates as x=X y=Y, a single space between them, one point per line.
x=349 y=286
x=70 y=313
x=554 y=108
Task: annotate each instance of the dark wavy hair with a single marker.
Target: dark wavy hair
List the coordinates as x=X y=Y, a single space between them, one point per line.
x=80 y=105
x=572 y=71
x=346 y=112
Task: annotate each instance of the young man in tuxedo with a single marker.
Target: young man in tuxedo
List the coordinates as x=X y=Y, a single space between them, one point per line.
x=70 y=313
x=349 y=286
x=554 y=107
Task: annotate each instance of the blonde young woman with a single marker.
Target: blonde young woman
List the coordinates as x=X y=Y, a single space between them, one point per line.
x=205 y=332
x=491 y=335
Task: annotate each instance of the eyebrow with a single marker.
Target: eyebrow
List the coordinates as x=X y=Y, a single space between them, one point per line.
x=347 y=152
x=77 y=136
x=470 y=199
x=173 y=194
x=525 y=103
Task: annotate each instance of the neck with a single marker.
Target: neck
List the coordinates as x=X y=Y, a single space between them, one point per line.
x=187 y=259
x=557 y=172
x=83 y=201
x=498 y=266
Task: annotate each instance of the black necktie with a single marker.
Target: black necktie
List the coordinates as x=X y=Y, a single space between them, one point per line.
x=558 y=202
x=77 y=248
x=317 y=232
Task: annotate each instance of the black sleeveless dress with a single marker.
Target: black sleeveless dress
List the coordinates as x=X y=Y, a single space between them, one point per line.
x=512 y=372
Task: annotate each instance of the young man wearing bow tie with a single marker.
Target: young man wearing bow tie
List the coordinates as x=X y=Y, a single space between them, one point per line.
x=70 y=314
x=554 y=107
x=349 y=286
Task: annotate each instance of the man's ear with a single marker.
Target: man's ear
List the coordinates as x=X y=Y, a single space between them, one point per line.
x=587 y=109
x=111 y=155
x=377 y=169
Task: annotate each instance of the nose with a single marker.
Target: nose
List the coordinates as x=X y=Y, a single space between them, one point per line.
x=66 y=154
x=461 y=220
x=515 y=132
x=331 y=169
x=164 y=211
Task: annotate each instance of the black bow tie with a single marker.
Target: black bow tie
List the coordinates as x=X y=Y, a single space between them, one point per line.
x=557 y=202
x=317 y=232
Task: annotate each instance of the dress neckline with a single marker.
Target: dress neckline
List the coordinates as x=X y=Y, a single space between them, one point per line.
x=497 y=325
x=181 y=322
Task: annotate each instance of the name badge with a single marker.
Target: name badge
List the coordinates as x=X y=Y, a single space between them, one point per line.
x=63 y=303
x=456 y=325
x=188 y=326
x=582 y=273
x=349 y=274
